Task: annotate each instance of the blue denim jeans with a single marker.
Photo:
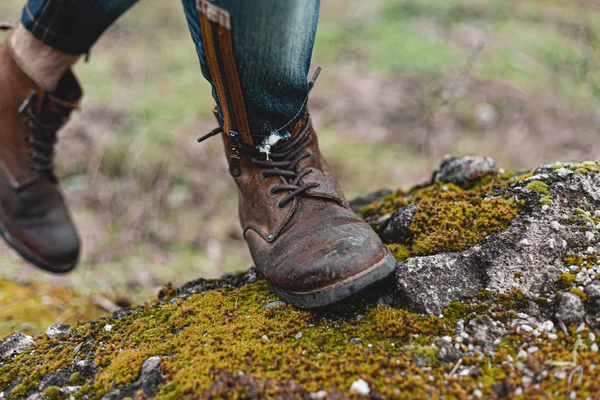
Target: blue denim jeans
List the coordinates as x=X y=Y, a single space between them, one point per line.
x=272 y=43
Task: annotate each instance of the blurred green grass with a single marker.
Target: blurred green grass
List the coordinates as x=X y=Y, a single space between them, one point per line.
x=154 y=207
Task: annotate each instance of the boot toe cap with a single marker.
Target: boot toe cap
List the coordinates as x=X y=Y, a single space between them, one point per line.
x=321 y=259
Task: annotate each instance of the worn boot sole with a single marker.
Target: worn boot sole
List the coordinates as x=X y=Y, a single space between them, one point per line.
x=340 y=290
x=28 y=256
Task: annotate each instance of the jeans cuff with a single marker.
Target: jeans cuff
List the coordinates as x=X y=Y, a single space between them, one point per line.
x=48 y=36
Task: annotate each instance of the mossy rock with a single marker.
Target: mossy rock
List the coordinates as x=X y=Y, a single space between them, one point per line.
x=232 y=338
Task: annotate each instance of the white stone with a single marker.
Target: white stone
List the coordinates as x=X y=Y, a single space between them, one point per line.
x=547 y=326
x=265 y=338
x=589 y=236
x=555 y=225
x=321 y=394
x=108 y=328
x=360 y=386
x=477 y=393
x=594 y=347
x=298 y=335
x=522 y=355
x=526 y=328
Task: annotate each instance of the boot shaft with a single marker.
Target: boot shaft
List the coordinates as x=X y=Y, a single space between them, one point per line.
x=29 y=118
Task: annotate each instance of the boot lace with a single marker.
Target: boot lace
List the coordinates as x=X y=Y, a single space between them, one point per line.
x=43 y=137
x=283 y=162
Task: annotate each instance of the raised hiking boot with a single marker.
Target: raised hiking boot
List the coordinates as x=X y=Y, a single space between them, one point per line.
x=309 y=245
x=34 y=219
x=312 y=249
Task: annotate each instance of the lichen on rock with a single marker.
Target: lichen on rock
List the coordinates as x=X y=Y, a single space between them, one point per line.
x=496 y=294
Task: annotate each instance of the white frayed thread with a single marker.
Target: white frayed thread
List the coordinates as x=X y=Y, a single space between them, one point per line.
x=271 y=140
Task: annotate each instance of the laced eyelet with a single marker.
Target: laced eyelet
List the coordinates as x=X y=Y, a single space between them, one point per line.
x=29 y=138
x=312 y=171
x=310 y=155
x=280 y=207
x=271 y=192
x=318 y=185
x=262 y=175
x=30 y=154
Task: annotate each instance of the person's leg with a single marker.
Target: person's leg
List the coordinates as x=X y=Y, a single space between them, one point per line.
x=303 y=237
x=37 y=94
x=54 y=33
x=273 y=42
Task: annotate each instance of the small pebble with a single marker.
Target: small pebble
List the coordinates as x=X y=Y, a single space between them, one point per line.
x=589 y=236
x=547 y=326
x=526 y=328
x=108 y=328
x=298 y=335
x=533 y=349
x=522 y=355
x=594 y=347
x=265 y=338
x=321 y=394
x=360 y=386
x=273 y=304
x=552 y=336
x=560 y=375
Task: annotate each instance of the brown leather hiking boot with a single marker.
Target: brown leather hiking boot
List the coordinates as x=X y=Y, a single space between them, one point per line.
x=310 y=246
x=34 y=219
x=312 y=249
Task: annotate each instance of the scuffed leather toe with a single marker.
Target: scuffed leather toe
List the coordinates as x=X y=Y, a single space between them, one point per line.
x=319 y=250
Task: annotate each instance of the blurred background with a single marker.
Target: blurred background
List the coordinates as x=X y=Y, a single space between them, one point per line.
x=404 y=82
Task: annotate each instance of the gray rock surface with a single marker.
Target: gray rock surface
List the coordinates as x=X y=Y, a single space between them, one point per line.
x=15 y=344
x=149 y=380
x=58 y=331
x=460 y=170
x=526 y=256
x=447 y=353
x=396 y=230
x=569 y=308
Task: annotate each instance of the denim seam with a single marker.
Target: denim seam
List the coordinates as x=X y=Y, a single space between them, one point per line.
x=44 y=28
x=297 y=115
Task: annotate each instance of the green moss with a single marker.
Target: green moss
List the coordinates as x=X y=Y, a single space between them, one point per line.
x=579 y=293
x=52 y=393
x=546 y=200
x=457 y=224
x=76 y=379
x=581 y=213
x=584 y=168
x=537 y=186
x=400 y=251
x=368 y=209
x=565 y=279
x=20 y=391
x=573 y=259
